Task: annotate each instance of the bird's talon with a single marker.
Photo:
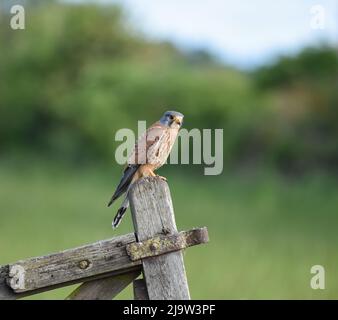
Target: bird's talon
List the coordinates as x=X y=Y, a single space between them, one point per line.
x=163 y=178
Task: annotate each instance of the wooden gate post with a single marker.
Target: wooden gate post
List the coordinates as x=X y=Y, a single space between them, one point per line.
x=153 y=214
x=106 y=267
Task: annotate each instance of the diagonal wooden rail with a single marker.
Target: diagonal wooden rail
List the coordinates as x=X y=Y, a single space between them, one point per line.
x=106 y=267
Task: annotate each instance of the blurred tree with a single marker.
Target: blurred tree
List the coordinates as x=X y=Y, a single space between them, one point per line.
x=79 y=72
x=305 y=98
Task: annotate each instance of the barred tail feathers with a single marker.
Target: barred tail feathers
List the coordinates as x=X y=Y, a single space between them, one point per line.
x=120 y=213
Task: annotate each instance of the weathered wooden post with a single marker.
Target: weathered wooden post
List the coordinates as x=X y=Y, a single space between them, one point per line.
x=153 y=214
x=106 y=267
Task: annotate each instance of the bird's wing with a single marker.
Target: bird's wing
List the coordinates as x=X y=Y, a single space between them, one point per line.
x=147 y=143
x=125 y=182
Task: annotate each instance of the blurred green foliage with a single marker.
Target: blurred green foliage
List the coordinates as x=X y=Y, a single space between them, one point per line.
x=305 y=98
x=78 y=73
x=266 y=230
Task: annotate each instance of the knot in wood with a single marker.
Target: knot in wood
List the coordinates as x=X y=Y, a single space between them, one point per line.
x=84 y=264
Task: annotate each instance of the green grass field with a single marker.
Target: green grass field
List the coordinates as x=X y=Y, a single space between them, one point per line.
x=265 y=231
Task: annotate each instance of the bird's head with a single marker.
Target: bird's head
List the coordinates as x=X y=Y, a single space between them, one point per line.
x=172 y=119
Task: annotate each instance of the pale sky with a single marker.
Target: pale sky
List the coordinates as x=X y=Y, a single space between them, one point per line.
x=243 y=32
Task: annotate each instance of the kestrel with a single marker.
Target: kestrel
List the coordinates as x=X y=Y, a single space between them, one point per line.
x=150 y=153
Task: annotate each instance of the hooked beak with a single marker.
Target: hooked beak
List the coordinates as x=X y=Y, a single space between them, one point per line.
x=178 y=120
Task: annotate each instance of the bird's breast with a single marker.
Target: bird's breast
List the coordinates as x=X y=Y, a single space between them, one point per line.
x=164 y=147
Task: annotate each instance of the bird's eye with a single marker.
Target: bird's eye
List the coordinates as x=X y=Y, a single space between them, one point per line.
x=171 y=117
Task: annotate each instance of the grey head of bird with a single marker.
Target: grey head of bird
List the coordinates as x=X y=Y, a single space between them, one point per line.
x=172 y=119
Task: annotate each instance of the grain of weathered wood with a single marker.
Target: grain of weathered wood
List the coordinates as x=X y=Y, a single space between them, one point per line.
x=153 y=214
x=167 y=243
x=140 y=290
x=6 y=293
x=103 y=257
x=103 y=289
x=154 y=246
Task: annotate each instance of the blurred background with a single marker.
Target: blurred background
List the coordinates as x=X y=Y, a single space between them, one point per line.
x=260 y=70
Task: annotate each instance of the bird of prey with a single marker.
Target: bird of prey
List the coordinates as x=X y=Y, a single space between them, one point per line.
x=150 y=153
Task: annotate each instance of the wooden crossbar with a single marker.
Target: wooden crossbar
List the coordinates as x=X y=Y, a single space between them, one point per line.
x=106 y=267
x=103 y=259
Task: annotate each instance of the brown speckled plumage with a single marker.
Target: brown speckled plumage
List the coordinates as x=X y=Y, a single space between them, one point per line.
x=150 y=153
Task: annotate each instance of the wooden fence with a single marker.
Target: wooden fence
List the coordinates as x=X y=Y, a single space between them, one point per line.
x=106 y=267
